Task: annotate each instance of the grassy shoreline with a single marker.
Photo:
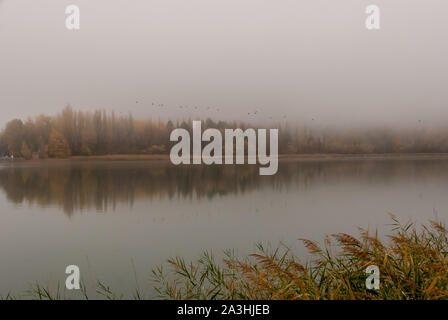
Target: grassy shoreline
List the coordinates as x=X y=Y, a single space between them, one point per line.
x=413 y=265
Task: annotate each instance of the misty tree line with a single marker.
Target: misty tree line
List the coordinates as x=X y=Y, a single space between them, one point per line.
x=101 y=133
x=72 y=133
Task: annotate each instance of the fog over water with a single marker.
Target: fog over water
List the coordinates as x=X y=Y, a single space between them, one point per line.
x=310 y=61
x=307 y=62
x=107 y=217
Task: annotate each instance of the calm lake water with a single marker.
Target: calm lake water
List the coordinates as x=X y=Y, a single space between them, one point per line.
x=118 y=220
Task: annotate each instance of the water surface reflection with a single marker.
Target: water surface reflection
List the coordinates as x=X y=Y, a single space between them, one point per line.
x=77 y=186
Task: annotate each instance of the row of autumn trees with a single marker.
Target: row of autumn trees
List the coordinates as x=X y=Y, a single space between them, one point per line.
x=91 y=133
x=83 y=133
x=100 y=133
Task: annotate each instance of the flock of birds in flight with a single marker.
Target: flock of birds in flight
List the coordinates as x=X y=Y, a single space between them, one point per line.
x=254 y=113
x=209 y=109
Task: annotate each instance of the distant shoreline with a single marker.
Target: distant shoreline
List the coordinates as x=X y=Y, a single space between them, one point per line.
x=305 y=157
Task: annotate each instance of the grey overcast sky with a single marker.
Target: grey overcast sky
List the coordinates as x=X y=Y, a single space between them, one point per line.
x=303 y=59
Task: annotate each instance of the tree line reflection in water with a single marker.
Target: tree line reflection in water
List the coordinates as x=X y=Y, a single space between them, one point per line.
x=77 y=186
